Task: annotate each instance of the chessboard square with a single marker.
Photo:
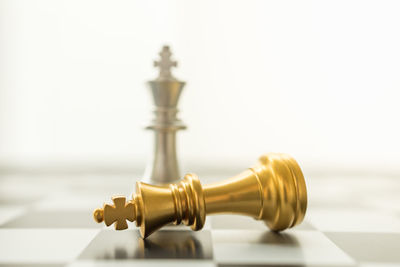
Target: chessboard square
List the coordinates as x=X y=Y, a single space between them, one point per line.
x=41 y=246
x=70 y=201
x=144 y=263
x=8 y=213
x=389 y=203
x=18 y=200
x=376 y=247
x=128 y=245
x=32 y=265
x=53 y=219
x=378 y=264
x=354 y=220
x=258 y=247
x=15 y=190
x=244 y=222
x=286 y=265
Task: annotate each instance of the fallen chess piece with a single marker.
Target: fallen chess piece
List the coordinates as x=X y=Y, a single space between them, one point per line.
x=273 y=191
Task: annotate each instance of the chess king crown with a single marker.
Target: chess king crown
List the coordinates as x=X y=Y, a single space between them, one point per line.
x=273 y=190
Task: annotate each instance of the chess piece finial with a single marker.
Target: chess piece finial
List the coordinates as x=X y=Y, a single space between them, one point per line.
x=165 y=64
x=163 y=167
x=273 y=191
x=117 y=213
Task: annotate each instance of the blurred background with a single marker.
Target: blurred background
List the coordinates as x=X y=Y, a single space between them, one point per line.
x=318 y=80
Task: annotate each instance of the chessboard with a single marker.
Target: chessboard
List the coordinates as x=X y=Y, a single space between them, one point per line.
x=46 y=220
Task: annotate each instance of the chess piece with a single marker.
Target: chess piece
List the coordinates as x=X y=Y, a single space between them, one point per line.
x=273 y=191
x=166 y=89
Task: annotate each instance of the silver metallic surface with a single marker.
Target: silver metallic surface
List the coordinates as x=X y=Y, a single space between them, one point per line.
x=166 y=89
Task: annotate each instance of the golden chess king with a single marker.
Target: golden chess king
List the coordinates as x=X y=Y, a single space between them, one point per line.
x=273 y=191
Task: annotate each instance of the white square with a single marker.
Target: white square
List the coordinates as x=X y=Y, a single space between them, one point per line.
x=43 y=245
x=349 y=220
x=71 y=201
x=8 y=213
x=292 y=247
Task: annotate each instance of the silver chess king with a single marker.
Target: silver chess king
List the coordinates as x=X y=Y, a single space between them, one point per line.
x=166 y=89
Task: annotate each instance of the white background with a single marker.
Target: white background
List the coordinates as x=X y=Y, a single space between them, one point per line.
x=319 y=80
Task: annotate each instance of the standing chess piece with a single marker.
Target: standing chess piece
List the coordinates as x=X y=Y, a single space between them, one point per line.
x=166 y=89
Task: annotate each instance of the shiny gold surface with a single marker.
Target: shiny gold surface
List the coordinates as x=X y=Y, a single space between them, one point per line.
x=273 y=191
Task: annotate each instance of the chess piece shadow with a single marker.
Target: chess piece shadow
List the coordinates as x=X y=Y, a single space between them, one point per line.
x=284 y=241
x=163 y=245
x=278 y=238
x=170 y=244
